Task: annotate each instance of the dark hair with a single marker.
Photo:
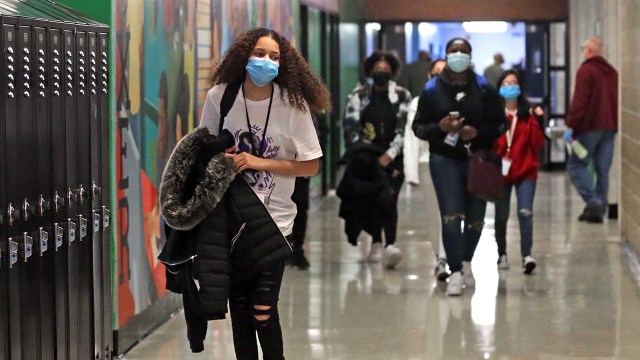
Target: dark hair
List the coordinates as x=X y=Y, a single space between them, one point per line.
x=388 y=56
x=433 y=64
x=294 y=74
x=450 y=42
x=523 y=104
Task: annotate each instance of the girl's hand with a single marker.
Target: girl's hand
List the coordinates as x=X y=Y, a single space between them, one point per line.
x=245 y=160
x=468 y=132
x=384 y=160
x=448 y=124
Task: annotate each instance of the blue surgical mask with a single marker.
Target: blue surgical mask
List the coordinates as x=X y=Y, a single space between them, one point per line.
x=458 y=62
x=510 y=92
x=262 y=71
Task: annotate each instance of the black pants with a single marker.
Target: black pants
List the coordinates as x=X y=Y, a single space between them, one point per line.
x=300 y=197
x=390 y=222
x=262 y=290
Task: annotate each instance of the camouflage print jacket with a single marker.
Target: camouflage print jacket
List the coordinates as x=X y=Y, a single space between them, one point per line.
x=359 y=99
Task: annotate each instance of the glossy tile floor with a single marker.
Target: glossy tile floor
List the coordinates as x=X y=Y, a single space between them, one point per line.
x=583 y=301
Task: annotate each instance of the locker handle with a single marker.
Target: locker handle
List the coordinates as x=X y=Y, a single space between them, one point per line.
x=27 y=210
x=71 y=231
x=82 y=194
x=43 y=241
x=13 y=252
x=95 y=189
x=96 y=221
x=43 y=205
x=58 y=201
x=58 y=233
x=106 y=218
x=84 y=224
x=71 y=197
x=26 y=247
x=12 y=214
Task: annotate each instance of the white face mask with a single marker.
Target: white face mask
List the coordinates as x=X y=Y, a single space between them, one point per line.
x=458 y=62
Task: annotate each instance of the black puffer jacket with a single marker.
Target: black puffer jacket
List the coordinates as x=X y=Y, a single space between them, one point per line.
x=234 y=234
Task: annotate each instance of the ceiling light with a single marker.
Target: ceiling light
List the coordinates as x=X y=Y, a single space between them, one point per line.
x=485 y=26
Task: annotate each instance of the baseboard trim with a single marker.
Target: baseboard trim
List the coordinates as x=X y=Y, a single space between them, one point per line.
x=633 y=260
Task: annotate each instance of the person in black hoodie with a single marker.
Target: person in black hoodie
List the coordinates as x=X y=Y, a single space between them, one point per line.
x=458 y=113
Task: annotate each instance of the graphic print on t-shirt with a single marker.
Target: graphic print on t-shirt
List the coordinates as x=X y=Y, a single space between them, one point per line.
x=262 y=181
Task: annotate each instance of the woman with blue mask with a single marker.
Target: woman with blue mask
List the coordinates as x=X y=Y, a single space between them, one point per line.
x=520 y=148
x=270 y=121
x=458 y=113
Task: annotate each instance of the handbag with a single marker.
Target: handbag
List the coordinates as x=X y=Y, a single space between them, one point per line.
x=484 y=176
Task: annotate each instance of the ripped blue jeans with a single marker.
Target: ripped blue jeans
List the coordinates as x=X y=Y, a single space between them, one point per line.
x=525 y=192
x=457 y=206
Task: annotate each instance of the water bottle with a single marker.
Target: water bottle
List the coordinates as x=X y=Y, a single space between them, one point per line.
x=580 y=151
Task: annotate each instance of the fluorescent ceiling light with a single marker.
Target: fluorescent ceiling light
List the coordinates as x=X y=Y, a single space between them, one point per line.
x=485 y=26
x=372 y=26
x=426 y=29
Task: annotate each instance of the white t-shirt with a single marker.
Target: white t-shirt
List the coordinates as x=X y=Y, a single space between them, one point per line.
x=290 y=136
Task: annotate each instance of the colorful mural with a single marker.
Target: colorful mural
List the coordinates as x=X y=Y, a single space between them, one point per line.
x=164 y=53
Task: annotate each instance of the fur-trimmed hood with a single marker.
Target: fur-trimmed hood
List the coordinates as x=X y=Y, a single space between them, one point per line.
x=185 y=212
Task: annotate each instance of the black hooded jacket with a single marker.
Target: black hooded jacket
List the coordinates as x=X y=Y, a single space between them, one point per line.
x=220 y=230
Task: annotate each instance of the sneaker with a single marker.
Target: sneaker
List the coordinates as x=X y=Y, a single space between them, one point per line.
x=299 y=260
x=503 y=262
x=375 y=254
x=392 y=256
x=467 y=274
x=528 y=264
x=441 y=271
x=454 y=288
x=593 y=214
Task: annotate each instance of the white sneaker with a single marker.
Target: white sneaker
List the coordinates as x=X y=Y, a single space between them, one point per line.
x=441 y=271
x=467 y=274
x=375 y=254
x=503 y=262
x=528 y=264
x=392 y=256
x=454 y=288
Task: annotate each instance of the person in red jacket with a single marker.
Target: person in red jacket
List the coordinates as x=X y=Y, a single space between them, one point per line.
x=519 y=147
x=593 y=116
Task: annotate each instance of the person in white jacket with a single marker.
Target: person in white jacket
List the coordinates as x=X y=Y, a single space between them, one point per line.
x=413 y=149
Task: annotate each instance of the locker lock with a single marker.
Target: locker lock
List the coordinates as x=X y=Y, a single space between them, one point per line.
x=106 y=218
x=71 y=231
x=84 y=226
x=43 y=240
x=26 y=246
x=58 y=202
x=43 y=205
x=95 y=189
x=58 y=233
x=27 y=209
x=96 y=221
x=13 y=252
x=12 y=214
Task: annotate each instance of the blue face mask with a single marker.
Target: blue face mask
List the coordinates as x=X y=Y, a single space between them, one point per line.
x=510 y=92
x=261 y=71
x=458 y=62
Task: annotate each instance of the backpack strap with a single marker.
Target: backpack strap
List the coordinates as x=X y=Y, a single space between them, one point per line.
x=228 y=98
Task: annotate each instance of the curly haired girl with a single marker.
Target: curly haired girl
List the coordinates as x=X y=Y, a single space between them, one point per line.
x=273 y=110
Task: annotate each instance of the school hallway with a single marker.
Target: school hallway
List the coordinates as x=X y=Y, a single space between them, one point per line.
x=582 y=302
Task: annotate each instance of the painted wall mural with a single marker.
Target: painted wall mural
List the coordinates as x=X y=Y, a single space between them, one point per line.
x=164 y=53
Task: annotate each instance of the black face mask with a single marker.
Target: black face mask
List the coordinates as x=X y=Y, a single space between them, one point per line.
x=381 y=78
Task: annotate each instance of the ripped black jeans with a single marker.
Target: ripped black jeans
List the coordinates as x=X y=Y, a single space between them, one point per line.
x=253 y=305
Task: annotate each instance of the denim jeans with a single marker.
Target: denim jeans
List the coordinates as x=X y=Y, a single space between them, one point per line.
x=262 y=290
x=600 y=145
x=456 y=205
x=525 y=192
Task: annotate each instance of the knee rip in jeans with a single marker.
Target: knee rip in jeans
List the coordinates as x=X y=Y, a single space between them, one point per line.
x=262 y=314
x=452 y=217
x=525 y=212
x=478 y=225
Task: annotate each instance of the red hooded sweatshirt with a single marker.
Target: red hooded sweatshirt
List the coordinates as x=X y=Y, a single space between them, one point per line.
x=527 y=142
x=595 y=99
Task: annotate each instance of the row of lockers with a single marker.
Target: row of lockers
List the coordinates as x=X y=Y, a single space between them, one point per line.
x=55 y=273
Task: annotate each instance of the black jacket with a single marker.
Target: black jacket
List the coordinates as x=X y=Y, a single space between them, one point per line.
x=365 y=191
x=477 y=101
x=221 y=231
